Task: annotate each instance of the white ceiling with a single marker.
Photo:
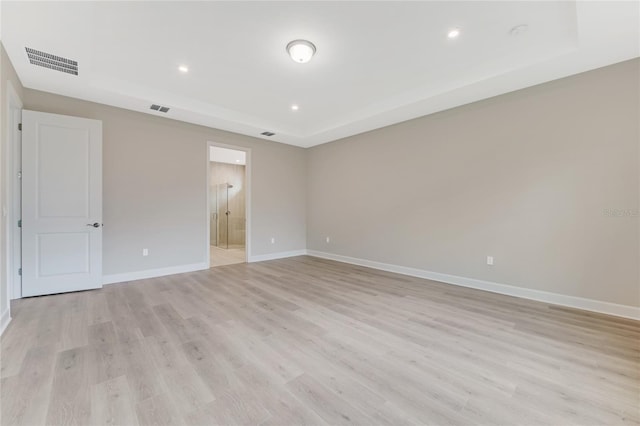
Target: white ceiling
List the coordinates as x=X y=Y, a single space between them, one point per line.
x=225 y=155
x=377 y=63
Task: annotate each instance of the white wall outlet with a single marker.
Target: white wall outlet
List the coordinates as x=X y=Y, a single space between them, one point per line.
x=328 y=240
x=489 y=260
x=273 y=240
x=145 y=252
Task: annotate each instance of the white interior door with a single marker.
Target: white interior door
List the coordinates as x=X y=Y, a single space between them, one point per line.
x=61 y=203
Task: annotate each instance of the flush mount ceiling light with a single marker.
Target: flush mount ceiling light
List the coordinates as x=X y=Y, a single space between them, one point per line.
x=453 y=33
x=301 y=51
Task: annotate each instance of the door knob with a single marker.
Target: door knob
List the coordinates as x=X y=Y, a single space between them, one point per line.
x=95 y=225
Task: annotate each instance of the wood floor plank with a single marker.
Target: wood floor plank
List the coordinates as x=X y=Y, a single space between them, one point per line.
x=97 y=308
x=24 y=398
x=103 y=332
x=147 y=321
x=106 y=362
x=287 y=410
x=231 y=408
x=178 y=374
x=218 y=377
x=158 y=410
x=260 y=353
x=16 y=341
x=139 y=370
x=328 y=405
x=70 y=400
x=176 y=326
x=123 y=320
x=112 y=403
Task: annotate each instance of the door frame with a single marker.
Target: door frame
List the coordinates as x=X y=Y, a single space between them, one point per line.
x=13 y=190
x=247 y=201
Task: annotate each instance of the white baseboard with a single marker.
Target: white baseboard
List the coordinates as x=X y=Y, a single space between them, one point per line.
x=5 y=319
x=160 y=272
x=152 y=273
x=279 y=255
x=525 y=293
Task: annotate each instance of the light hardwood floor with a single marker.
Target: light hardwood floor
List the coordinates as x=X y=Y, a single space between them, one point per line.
x=304 y=341
x=230 y=256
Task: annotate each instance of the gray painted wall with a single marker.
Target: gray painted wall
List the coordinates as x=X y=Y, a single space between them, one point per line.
x=155 y=187
x=534 y=178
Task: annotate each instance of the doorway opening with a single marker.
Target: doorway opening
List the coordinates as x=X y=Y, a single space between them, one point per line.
x=228 y=189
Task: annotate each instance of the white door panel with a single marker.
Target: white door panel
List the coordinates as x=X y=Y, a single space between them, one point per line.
x=63 y=192
x=63 y=253
x=61 y=201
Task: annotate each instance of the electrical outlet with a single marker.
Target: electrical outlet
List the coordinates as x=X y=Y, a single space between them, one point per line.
x=489 y=260
x=273 y=240
x=145 y=252
x=328 y=240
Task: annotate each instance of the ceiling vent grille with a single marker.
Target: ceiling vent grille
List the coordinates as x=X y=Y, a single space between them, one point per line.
x=160 y=108
x=53 y=62
x=267 y=134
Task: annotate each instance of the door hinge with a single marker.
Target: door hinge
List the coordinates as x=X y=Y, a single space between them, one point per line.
x=20 y=271
x=19 y=175
x=20 y=126
x=20 y=223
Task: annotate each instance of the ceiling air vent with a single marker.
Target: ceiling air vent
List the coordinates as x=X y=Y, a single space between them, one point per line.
x=267 y=134
x=159 y=108
x=53 y=62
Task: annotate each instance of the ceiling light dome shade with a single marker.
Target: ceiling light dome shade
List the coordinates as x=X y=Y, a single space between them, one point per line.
x=301 y=51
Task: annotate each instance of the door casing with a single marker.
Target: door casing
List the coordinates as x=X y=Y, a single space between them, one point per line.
x=11 y=169
x=247 y=178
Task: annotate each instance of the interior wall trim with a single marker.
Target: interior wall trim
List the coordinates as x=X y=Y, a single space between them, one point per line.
x=509 y=290
x=153 y=273
x=5 y=319
x=278 y=255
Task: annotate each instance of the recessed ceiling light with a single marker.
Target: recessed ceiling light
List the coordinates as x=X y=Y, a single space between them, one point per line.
x=518 y=29
x=453 y=33
x=183 y=68
x=237 y=161
x=301 y=51
x=295 y=107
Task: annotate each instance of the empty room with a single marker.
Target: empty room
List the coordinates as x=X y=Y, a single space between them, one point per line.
x=320 y=213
